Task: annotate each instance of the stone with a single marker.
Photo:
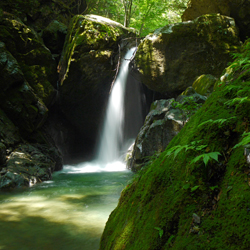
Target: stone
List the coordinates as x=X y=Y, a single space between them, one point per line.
x=204 y=84
x=34 y=59
x=27 y=165
x=161 y=125
x=170 y=59
x=54 y=36
x=239 y=10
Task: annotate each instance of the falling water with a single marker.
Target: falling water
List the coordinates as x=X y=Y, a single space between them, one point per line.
x=112 y=134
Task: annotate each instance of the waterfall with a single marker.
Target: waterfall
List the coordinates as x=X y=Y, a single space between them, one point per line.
x=112 y=134
x=115 y=134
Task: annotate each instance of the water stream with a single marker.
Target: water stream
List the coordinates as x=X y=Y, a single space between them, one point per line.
x=70 y=211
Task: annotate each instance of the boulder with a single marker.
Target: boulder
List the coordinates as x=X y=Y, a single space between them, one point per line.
x=86 y=71
x=34 y=59
x=170 y=59
x=54 y=36
x=161 y=124
x=27 y=165
x=204 y=84
x=239 y=10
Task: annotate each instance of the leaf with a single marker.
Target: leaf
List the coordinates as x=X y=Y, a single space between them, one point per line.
x=186 y=186
x=206 y=159
x=197 y=158
x=214 y=187
x=214 y=155
x=160 y=231
x=194 y=188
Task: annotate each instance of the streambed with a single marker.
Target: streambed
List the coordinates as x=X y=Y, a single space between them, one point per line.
x=68 y=212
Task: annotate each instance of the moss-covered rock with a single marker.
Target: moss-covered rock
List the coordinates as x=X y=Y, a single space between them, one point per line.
x=86 y=71
x=204 y=84
x=34 y=59
x=239 y=10
x=170 y=59
x=186 y=199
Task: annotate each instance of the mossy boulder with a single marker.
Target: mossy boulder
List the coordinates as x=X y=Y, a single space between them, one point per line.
x=170 y=59
x=195 y=195
x=34 y=59
x=239 y=10
x=204 y=84
x=86 y=71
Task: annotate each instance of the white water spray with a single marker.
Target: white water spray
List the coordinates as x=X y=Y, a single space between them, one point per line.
x=112 y=134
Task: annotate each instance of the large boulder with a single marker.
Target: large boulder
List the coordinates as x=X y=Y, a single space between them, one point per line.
x=239 y=10
x=169 y=60
x=86 y=71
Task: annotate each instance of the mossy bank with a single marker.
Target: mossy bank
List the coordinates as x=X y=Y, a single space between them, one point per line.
x=178 y=203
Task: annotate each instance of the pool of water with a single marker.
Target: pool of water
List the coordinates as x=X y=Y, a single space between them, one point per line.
x=66 y=213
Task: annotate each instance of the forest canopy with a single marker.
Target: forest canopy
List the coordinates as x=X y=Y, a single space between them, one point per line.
x=143 y=15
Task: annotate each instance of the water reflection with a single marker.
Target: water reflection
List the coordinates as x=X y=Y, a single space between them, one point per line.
x=69 y=212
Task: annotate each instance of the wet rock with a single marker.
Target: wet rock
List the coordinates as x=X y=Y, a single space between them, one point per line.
x=161 y=124
x=27 y=165
x=170 y=59
x=239 y=10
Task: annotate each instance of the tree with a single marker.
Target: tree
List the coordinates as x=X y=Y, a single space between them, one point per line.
x=143 y=15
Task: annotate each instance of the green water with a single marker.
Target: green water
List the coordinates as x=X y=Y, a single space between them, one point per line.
x=66 y=213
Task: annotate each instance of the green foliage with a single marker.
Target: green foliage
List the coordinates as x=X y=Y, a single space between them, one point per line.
x=145 y=15
x=188 y=106
x=244 y=141
x=160 y=231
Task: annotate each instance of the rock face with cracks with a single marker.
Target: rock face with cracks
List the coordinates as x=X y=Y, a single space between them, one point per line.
x=170 y=59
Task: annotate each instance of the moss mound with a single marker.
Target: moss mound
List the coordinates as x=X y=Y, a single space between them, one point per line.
x=195 y=195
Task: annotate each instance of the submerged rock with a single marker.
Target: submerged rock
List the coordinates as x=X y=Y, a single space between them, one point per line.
x=169 y=60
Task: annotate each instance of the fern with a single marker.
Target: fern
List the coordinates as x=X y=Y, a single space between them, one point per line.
x=245 y=140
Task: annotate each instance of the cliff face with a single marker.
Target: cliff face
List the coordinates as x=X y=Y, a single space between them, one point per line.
x=194 y=195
